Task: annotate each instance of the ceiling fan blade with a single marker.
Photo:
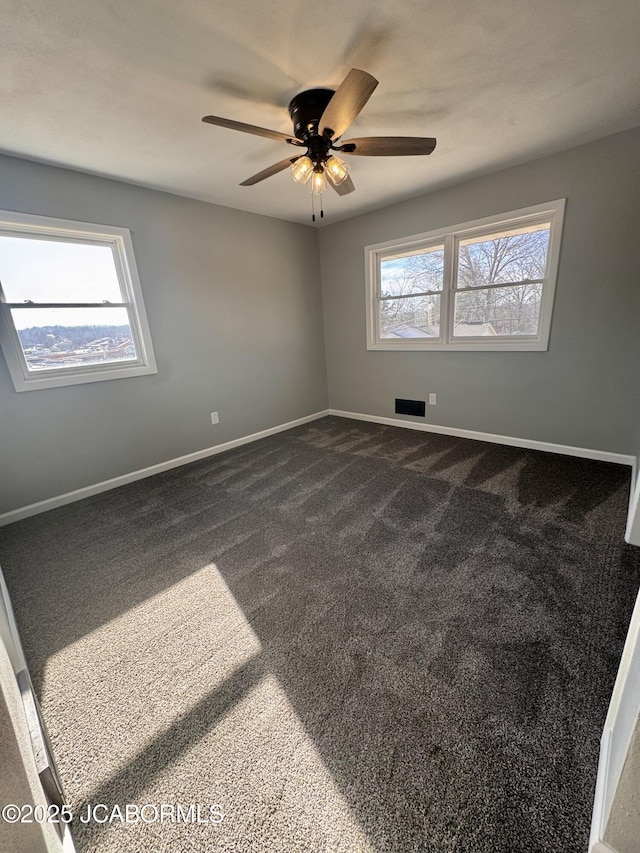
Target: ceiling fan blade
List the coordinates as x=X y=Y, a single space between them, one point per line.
x=344 y=107
x=250 y=128
x=345 y=187
x=270 y=170
x=388 y=146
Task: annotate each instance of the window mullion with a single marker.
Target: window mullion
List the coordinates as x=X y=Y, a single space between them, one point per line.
x=411 y=295
x=499 y=284
x=30 y=305
x=448 y=287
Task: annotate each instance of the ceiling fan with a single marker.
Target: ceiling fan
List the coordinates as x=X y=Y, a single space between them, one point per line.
x=320 y=117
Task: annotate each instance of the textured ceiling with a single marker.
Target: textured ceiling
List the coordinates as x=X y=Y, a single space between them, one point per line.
x=118 y=88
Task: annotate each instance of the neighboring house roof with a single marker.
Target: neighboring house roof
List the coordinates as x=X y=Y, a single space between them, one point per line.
x=465 y=329
x=474 y=329
x=405 y=331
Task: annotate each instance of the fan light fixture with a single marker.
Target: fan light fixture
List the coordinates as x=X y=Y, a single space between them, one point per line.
x=318 y=180
x=337 y=170
x=301 y=169
x=333 y=168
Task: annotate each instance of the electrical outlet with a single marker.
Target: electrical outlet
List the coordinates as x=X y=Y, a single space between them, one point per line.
x=432 y=399
x=214 y=418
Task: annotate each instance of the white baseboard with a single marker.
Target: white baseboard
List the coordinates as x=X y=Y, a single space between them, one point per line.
x=114 y=482
x=601 y=847
x=632 y=535
x=528 y=443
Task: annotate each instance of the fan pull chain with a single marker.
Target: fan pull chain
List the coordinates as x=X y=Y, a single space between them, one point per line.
x=313 y=207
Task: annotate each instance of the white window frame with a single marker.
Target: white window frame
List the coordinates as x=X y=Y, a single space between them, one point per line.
x=66 y=230
x=552 y=212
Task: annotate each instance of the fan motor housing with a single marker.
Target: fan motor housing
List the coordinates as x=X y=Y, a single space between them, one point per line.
x=306 y=111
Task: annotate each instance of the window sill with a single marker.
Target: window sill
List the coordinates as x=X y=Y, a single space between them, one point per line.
x=471 y=346
x=37 y=383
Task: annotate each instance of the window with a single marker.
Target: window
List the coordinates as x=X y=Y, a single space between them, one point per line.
x=483 y=285
x=71 y=306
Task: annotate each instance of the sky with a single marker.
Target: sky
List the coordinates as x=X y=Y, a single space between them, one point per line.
x=392 y=269
x=57 y=271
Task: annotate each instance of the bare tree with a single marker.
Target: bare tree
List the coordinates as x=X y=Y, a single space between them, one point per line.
x=406 y=297
x=411 y=285
x=515 y=260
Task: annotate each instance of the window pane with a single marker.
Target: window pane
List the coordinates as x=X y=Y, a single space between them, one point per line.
x=57 y=271
x=414 y=273
x=507 y=256
x=410 y=317
x=56 y=338
x=498 y=311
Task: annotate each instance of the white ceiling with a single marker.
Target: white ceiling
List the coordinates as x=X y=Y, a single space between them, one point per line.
x=118 y=87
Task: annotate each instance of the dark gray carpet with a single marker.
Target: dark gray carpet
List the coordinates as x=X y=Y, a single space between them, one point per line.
x=352 y=637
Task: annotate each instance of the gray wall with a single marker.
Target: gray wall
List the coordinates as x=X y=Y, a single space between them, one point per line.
x=585 y=390
x=235 y=310
x=234 y=304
